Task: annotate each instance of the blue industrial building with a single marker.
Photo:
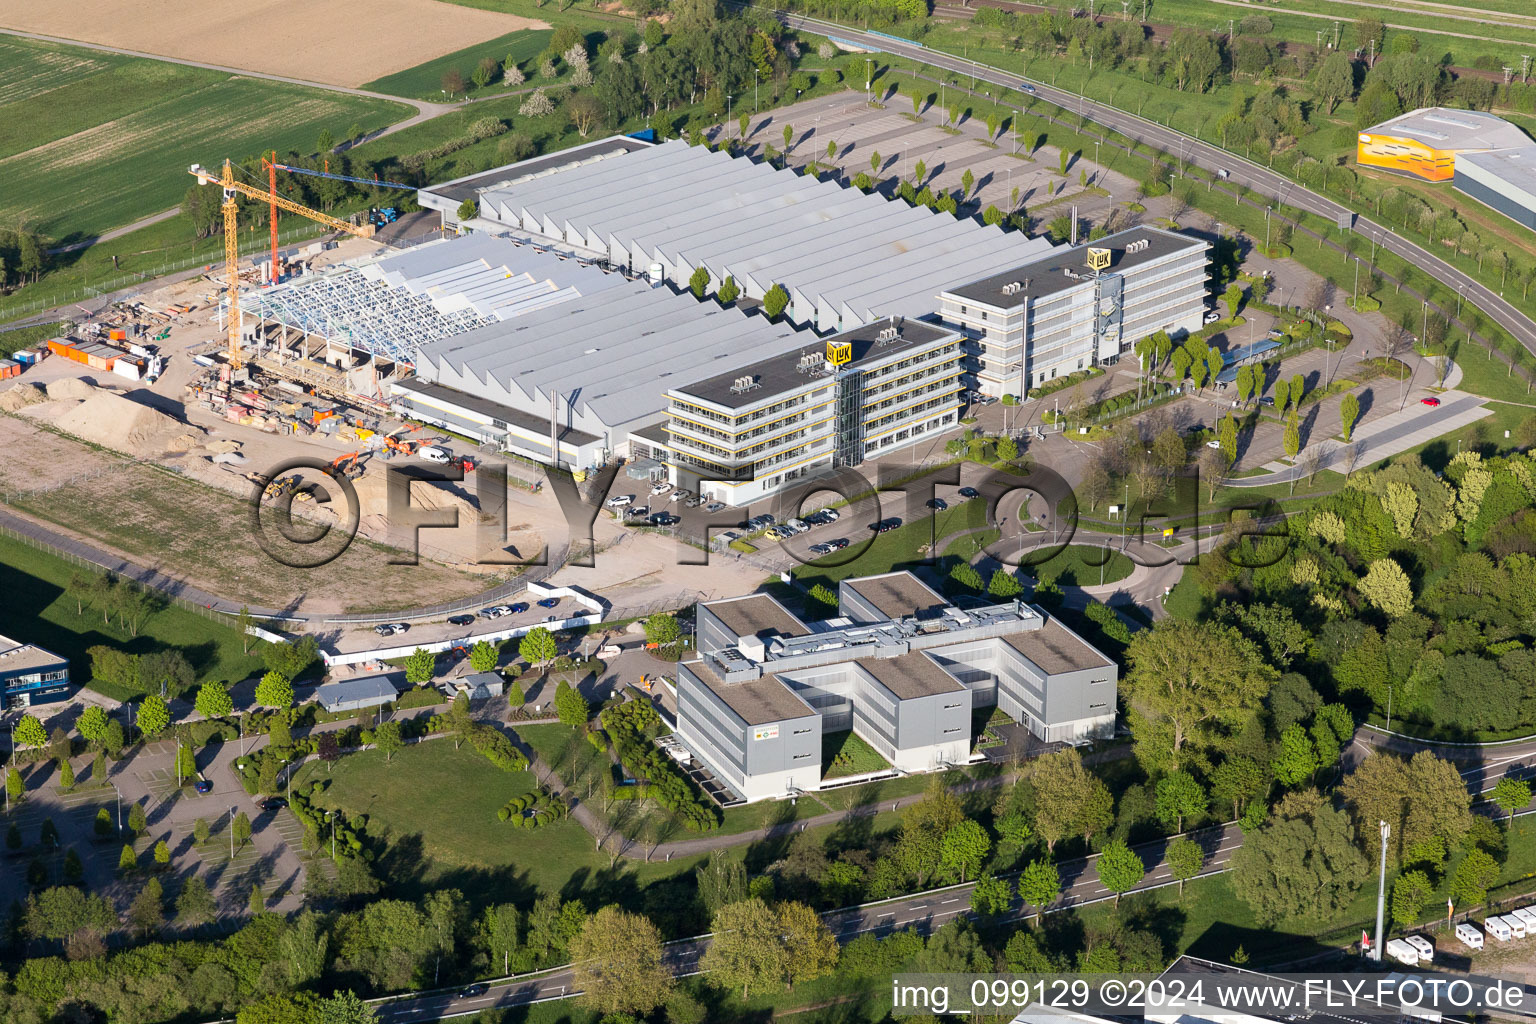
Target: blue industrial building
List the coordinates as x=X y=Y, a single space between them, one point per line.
x=30 y=675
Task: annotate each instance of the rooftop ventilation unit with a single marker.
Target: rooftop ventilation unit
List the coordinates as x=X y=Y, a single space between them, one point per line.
x=1013 y=287
x=888 y=334
x=741 y=385
x=810 y=362
x=1138 y=245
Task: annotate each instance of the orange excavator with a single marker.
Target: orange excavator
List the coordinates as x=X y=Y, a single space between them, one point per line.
x=349 y=466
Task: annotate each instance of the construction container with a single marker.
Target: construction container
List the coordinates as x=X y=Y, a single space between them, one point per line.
x=25 y=356
x=117 y=334
x=62 y=347
x=9 y=368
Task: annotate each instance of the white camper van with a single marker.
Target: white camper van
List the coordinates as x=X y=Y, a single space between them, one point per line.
x=1516 y=925
x=1469 y=935
x=1496 y=927
x=1422 y=945
x=1528 y=915
x=1403 y=952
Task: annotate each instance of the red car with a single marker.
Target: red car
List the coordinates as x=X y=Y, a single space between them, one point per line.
x=1431 y=402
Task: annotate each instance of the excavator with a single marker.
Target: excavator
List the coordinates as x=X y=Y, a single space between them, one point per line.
x=348 y=466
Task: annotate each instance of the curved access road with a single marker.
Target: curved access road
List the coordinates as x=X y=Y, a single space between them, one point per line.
x=923 y=912
x=1191 y=150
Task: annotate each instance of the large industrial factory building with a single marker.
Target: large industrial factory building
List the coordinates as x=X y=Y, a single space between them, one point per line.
x=558 y=325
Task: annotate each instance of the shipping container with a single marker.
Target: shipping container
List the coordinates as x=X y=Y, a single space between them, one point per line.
x=117 y=334
x=59 y=346
x=25 y=356
x=9 y=368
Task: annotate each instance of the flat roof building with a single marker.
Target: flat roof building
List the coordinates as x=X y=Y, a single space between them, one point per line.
x=1504 y=179
x=744 y=433
x=30 y=675
x=900 y=666
x=1426 y=142
x=845 y=257
x=1078 y=306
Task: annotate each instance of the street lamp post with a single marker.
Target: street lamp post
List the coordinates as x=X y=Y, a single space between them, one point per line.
x=869 y=79
x=1357 y=281
x=331 y=817
x=1267 y=211
x=756 y=77
x=231 y=832
x=119 y=794
x=1381 y=891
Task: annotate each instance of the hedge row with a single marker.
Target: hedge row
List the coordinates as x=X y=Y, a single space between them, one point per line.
x=630 y=726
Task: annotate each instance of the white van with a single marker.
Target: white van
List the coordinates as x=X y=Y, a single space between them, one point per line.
x=432 y=454
x=1516 y=925
x=1469 y=935
x=1403 y=952
x=1422 y=946
x=1496 y=927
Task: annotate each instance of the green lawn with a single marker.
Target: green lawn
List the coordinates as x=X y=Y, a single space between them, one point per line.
x=843 y=753
x=35 y=609
x=424 y=81
x=109 y=140
x=435 y=808
x=1080 y=565
x=26 y=337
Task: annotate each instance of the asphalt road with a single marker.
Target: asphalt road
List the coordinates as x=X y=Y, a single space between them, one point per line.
x=1193 y=151
x=924 y=912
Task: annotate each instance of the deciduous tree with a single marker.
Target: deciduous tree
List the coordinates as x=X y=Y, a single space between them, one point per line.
x=1119 y=868
x=1301 y=864
x=619 y=965
x=1185 y=859
x=388 y=741
x=213 y=700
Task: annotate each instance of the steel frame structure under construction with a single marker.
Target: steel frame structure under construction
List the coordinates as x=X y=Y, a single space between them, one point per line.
x=346 y=308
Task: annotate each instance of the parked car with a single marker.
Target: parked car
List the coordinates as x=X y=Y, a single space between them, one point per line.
x=496 y=611
x=664 y=519
x=479 y=988
x=620 y=500
x=460 y=620
x=681 y=494
x=519 y=608
x=439 y=455
x=832 y=514
x=637 y=511
x=696 y=501
x=821 y=549
x=201 y=784
x=1431 y=402
x=1266 y=400
x=937 y=504
x=714 y=506
x=885 y=525
x=797 y=525
x=549 y=602
x=391 y=628
x=274 y=803
x=969 y=492
x=1213 y=444
x=1212 y=316
x=662 y=487
x=816 y=519
x=838 y=544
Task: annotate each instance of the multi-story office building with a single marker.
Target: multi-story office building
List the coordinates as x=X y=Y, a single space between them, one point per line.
x=30 y=675
x=1078 y=306
x=900 y=666
x=756 y=428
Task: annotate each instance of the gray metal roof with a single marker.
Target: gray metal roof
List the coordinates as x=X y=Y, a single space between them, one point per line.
x=608 y=344
x=1514 y=167
x=1049 y=273
x=1445 y=128
x=862 y=255
x=778 y=374
x=345 y=691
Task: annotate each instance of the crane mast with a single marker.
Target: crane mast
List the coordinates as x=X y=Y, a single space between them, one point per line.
x=231 y=187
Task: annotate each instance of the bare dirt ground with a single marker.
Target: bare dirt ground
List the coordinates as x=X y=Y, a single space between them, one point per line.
x=280 y=37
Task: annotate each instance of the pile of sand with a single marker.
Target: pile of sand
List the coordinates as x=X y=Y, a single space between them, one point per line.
x=21 y=396
x=70 y=387
x=224 y=447
x=113 y=421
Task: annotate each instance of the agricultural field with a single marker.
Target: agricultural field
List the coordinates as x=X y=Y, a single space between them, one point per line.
x=90 y=141
x=425 y=80
x=281 y=37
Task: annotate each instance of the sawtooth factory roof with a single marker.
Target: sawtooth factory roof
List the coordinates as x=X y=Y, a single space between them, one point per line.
x=839 y=252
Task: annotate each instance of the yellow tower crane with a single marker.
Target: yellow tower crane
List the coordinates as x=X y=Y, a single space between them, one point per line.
x=232 y=237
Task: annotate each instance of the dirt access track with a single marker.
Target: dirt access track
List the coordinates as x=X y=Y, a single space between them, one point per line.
x=296 y=38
